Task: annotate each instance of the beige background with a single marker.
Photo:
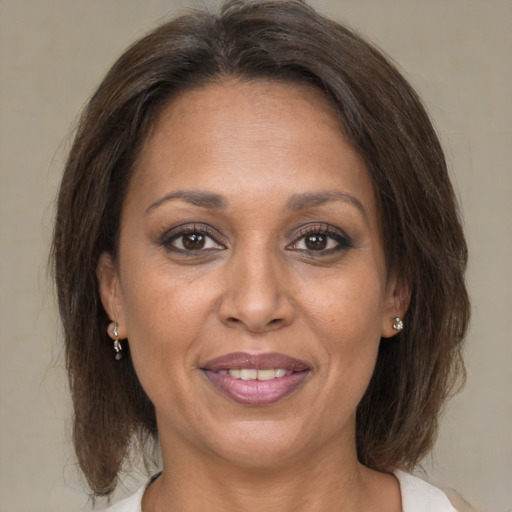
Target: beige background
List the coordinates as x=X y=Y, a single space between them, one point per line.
x=54 y=52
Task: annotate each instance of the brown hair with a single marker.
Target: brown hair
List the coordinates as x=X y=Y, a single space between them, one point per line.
x=386 y=123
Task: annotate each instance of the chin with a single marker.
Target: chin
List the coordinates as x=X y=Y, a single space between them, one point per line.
x=260 y=445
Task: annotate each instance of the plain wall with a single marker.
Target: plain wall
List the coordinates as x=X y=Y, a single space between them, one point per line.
x=54 y=52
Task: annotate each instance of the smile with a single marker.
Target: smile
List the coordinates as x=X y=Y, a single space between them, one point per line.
x=252 y=374
x=256 y=379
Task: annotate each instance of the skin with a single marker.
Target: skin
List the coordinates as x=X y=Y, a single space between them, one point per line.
x=254 y=287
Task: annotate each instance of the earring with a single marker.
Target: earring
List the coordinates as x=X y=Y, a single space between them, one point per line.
x=117 y=344
x=398 y=325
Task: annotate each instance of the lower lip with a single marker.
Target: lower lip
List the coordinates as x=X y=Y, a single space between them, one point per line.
x=256 y=392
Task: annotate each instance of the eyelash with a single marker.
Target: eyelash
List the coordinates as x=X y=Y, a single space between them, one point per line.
x=178 y=233
x=342 y=241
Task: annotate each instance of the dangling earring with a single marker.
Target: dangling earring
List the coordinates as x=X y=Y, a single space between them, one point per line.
x=398 y=325
x=117 y=344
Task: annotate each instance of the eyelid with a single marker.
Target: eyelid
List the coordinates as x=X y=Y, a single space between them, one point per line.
x=323 y=228
x=172 y=234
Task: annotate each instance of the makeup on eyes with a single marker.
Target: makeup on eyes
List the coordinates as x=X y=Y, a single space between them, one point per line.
x=195 y=239
x=192 y=237
x=321 y=238
x=200 y=224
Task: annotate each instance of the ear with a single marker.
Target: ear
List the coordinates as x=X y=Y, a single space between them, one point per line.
x=398 y=297
x=110 y=293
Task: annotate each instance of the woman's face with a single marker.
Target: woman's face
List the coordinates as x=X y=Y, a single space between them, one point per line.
x=251 y=280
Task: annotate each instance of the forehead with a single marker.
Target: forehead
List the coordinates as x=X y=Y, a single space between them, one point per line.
x=250 y=137
x=255 y=111
x=248 y=100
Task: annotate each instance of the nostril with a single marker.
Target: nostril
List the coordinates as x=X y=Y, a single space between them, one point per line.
x=255 y=312
x=253 y=326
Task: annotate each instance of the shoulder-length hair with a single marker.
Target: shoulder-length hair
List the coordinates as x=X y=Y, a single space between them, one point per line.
x=384 y=120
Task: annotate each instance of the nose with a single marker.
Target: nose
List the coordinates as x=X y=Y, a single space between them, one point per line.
x=256 y=296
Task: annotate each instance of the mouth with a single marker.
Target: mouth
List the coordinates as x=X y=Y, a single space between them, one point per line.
x=256 y=379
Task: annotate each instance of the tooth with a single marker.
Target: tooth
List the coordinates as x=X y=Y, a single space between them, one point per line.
x=247 y=374
x=234 y=373
x=223 y=372
x=280 y=372
x=289 y=372
x=266 y=374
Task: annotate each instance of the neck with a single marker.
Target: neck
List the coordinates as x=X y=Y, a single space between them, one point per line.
x=324 y=480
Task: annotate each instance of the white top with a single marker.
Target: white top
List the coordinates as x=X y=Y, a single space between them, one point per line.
x=420 y=496
x=417 y=496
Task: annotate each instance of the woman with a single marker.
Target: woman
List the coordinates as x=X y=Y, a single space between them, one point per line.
x=260 y=265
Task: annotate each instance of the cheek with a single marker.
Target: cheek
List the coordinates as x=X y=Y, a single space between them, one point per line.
x=163 y=325
x=348 y=304
x=164 y=317
x=346 y=318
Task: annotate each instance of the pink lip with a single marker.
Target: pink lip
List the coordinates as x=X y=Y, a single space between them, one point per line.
x=255 y=361
x=254 y=392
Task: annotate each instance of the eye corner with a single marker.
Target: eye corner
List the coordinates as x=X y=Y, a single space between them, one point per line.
x=202 y=239
x=325 y=240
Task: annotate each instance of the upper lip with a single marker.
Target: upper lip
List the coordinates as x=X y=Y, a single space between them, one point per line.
x=263 y=361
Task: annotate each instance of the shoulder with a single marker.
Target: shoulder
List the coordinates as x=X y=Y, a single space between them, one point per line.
x=130 y=504
x=420 y=496
x=417 y=496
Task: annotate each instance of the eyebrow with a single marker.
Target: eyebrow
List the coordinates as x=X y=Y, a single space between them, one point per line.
x=196 y=197
x=297 y=202
x=312 y=199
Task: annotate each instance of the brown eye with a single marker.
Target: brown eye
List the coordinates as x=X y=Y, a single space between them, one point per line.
x=193 y=241
x=316 y=242
x=321 y=240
